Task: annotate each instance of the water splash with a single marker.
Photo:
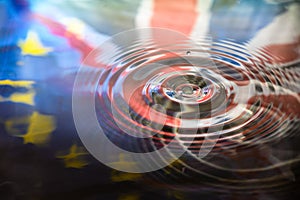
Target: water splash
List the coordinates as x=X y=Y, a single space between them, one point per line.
x=225 y=107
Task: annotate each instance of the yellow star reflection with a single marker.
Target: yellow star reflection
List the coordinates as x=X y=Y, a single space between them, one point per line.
x=75 y=157
x=118 y=176
x=39 y=129
x=32 y=45
x=19 y=97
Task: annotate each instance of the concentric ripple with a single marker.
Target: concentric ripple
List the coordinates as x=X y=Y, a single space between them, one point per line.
x=216 y=109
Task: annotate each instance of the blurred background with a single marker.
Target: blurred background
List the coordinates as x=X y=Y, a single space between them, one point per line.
x=42 y=45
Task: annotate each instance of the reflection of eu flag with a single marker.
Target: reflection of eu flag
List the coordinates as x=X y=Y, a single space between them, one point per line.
x=28 y=49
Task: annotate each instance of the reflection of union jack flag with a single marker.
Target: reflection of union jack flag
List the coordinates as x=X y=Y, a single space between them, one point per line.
x=272 y=27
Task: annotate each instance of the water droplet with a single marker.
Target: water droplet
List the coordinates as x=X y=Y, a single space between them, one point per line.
x=187 y=90
x=188 y=53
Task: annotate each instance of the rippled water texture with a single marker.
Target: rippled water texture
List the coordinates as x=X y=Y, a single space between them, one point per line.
x=210 y=113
